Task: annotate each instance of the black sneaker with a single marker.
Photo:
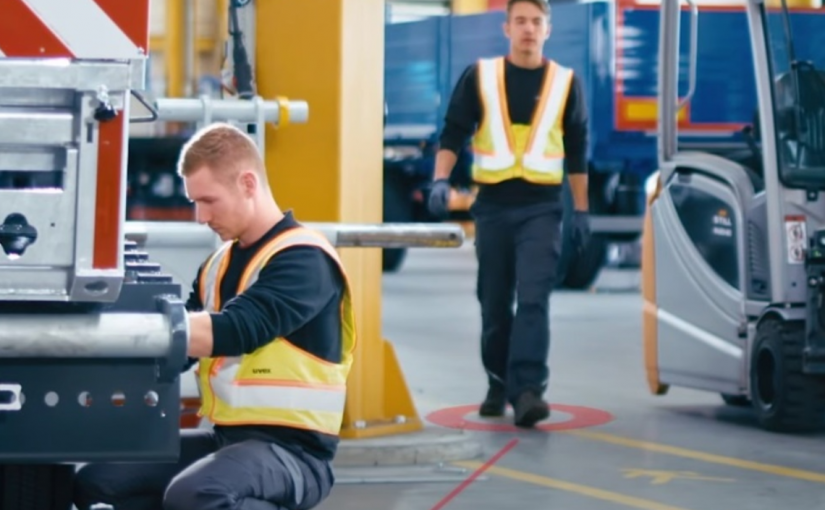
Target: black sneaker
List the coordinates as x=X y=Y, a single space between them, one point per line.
x=494 y=404
x=530 y=409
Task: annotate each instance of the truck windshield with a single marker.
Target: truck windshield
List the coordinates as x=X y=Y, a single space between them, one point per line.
x=797 y=51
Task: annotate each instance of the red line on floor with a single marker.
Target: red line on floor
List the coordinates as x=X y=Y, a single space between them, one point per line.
x=463 y=485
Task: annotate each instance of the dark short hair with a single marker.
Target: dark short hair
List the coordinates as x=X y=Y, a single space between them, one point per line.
x=541 y=4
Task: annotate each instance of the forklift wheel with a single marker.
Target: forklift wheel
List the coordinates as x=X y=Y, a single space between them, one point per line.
x=36 y=487
x=784 y=398
x=736 y=400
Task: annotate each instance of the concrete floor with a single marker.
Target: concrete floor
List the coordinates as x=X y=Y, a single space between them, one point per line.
x=683 y=451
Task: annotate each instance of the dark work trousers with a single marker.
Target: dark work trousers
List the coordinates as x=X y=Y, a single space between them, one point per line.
x=211 y=474
x=518 y=249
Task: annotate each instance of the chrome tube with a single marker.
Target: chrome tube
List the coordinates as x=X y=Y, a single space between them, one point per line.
x=104 y=335
x=391 y=235
x=205 y=109
x=179 y=235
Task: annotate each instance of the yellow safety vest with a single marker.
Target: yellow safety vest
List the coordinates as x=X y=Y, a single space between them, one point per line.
x=535 y=152
x=278 y=384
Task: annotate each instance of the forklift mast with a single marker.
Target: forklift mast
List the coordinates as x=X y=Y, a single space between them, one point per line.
x=789 y=132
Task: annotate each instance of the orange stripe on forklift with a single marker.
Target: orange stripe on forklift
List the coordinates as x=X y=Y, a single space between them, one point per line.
x=649 y=307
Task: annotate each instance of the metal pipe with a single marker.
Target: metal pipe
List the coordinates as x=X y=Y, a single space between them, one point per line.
x=206 y=109
x=379 y=235
x=391 y=235
x=111 y=335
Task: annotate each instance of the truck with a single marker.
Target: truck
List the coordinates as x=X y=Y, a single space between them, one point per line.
x=613 y=48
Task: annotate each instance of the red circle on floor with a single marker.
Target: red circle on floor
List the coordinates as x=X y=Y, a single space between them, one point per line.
x=580 y=418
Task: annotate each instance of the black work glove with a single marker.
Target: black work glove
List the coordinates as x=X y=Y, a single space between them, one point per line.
x=439 y=201
x=579 y=230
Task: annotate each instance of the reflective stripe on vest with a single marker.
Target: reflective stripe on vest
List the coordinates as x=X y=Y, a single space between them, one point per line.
x=502 y=150
x=316 y=398
x=278 y=384
x=211 y=273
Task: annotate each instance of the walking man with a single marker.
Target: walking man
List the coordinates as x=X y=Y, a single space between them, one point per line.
x=526 y=119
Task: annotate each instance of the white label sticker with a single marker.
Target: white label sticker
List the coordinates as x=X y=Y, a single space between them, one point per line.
x=795 y=238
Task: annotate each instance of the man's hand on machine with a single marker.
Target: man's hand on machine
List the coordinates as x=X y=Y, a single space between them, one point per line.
x=439 y=201
x=580 y=230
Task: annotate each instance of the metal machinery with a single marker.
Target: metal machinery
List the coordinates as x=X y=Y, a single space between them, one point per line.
x=734 y=248
x=92 y=342
x=93 y=333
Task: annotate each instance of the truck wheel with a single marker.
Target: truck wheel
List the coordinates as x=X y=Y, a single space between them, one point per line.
x=398 y=208
x=392 y=259
x=784 y=398
x=581 y=271
x=36 y=487
x=578 y=272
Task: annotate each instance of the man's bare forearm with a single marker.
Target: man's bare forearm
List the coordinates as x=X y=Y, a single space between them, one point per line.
x=445 y=160
x=200 y=335
x=578 y=187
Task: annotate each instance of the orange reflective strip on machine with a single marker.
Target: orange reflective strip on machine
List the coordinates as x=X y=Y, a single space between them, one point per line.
x=650 y=310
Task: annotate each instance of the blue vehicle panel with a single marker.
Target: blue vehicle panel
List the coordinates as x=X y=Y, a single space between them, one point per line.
x=474 y=37
x=725 y=94
x=411 y=72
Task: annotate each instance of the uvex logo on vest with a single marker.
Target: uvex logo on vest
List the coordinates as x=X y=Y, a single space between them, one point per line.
x=260 y=371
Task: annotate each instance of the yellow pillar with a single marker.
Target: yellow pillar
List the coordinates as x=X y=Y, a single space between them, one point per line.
x=468 y=6
x=330 y=53
x=174 y=48
x=221 y=35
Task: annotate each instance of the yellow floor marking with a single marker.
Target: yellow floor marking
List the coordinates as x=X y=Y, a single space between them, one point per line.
x=584 y=490
x=661 y=477
x=799 y=474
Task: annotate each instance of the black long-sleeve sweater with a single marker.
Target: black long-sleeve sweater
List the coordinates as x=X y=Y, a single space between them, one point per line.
x=523 y=92
x=297 y=296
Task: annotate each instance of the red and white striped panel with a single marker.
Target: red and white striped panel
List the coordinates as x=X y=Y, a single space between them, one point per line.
x=93 y=29
x=74 y=28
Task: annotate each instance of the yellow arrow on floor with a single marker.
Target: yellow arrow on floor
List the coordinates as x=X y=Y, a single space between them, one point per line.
x=659 y=477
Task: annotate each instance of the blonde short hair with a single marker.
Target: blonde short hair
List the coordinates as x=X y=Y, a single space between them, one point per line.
x=223 y=149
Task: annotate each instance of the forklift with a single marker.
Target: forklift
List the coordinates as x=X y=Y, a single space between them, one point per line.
x=733 y=264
